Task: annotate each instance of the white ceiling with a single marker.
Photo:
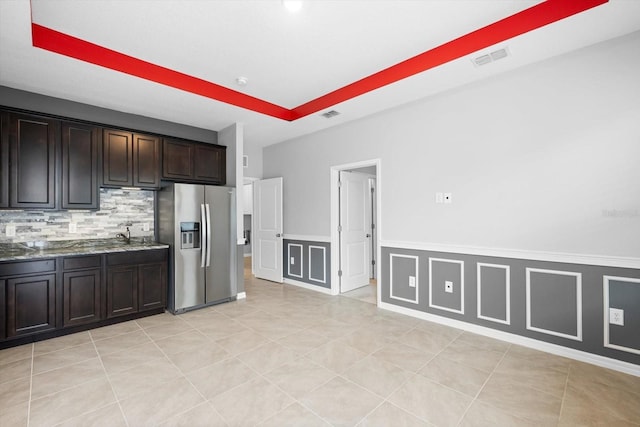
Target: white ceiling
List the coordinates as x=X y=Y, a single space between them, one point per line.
x=289 y=59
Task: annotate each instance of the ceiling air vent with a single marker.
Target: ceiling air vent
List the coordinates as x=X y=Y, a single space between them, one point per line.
x=330 y=114
x=490 y=57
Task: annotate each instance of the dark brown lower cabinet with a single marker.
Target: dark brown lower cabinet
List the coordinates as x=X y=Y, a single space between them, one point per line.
x=81 y=293
x=122 y=290
x=40 y=298
x=30 y=304
x=3 y=315
x=152 y=286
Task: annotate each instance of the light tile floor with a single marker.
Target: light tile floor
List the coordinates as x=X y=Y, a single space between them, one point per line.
x=287 y=356
x=367 y=293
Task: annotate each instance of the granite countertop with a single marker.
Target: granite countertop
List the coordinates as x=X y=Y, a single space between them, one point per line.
x=32 y=250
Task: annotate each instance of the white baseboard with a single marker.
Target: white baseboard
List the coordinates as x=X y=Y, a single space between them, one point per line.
x=308 y=286
x=594 y=359
x=241 y=295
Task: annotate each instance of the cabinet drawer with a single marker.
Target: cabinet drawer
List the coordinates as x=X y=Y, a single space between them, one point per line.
x=137 y=257
x=27 y=267
x=74 y=263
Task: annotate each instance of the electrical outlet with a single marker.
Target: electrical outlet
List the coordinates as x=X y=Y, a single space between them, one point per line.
x=616 y=316
x=448 y=287
x=73 y=227
x=448 y=198
x=10 y=230
x=145 y=226
x=293 y=261
x=412 y=281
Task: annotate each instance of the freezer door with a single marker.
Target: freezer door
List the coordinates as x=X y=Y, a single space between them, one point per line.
x=189 y=277
x=218 y=274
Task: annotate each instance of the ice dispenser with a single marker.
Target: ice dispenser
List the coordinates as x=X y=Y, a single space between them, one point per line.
x=189 y=235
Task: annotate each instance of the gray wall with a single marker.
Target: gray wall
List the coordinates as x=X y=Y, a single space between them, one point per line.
x=15 y=98
x=308 y=262
x=554 y=307
x=541 y=158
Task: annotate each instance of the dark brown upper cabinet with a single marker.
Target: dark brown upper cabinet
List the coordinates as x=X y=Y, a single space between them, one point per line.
x=80 y=166
x=177 y=159
x=32 y=144
x=146 y=161
x=210 y=163
x=187 y=161
x=130 y=160
x=4 y=160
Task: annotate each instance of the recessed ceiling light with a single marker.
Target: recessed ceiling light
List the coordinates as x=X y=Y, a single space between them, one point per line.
x=242 y=81
x=292 y=6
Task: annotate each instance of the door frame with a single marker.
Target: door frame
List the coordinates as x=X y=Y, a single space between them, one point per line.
x=335 y=219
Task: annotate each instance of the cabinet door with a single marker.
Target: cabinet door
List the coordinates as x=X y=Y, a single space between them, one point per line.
x=146 y=161
x=210 y=164
x=81 y=293
x=79 y=166
x=33 y=142
x=30 y=304
x=117 y=162
x=177 y=159
x=3 y=315
x=4 y=160
x=122 y=290
x=152 y=286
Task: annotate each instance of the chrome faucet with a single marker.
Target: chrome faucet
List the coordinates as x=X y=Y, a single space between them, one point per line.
x=127 y=237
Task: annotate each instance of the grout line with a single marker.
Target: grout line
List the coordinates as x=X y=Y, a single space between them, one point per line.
x=106 y=374
x=564 y=392
x=475 y=398
x=33 y=349
x=184 y=375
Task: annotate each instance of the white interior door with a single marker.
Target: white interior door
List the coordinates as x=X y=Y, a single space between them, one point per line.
x=354 y=243
x=371 y=233
x=267 y=235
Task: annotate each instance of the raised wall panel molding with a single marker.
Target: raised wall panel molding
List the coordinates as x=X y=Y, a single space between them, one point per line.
x=578 y=290
x=606 y=305
x=301 y=275
x=417 y=287
x=507 y=275
x=461 y=266
x=323 y=279
x=560 y=257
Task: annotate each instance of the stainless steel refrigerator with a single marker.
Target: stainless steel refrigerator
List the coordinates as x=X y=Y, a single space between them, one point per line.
x=198 y=222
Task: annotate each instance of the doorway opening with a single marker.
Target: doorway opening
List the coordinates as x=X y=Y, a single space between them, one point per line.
x=355 y=230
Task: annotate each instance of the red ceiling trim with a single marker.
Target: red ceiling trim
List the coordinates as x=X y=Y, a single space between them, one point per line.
x=535 y=17
x=64 y=44
x=530 y=19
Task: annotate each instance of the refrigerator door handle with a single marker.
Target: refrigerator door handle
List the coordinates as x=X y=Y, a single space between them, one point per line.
x=203 y=242
x=208 y=234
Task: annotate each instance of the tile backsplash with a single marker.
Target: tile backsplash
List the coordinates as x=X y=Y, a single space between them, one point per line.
x=119 y=208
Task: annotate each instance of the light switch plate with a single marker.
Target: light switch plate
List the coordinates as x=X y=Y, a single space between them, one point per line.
x=10 y=230
x=145 y=226
x=439 y=198
x=412 y=281
x=73 y=227
x=293 y=261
